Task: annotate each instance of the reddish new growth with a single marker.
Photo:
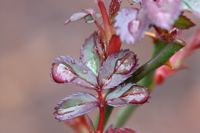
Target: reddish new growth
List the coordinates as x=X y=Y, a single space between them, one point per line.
x=110 y=68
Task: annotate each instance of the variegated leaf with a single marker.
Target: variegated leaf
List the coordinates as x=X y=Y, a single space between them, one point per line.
x=110 y=129
x=127 y=94
x=75 y=105
x=113 y=9
x=90 y=54
x=89 y=16
x=71 y=71
x=183 y=22
x=117 y=68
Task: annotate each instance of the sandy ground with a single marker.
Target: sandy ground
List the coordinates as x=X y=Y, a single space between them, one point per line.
x=32 y=35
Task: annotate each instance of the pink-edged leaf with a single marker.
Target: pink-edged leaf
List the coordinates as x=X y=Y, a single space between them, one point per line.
x=117 y=68
x=91 y=11
x=79 y=124
x=110 y=127
x=100 y=39
x=71 y=71
x=131 y=24
x=183 y=22
x=89 y=16
x=75 y=105
x=166 y=35
x=90 y=123
x=163 y=13
x=192 y=6
x=119 y=130
x=127 y=94
x=113 y=9
x=76 y=16
x=92 y=16
x=90 y=55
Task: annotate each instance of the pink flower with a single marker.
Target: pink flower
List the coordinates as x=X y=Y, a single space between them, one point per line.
x=163 y=13
x=131 y=24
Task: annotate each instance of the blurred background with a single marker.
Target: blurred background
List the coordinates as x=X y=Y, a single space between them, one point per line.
x=32 y=34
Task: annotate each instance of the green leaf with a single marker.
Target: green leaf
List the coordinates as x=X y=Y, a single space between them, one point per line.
x=90 y=54
x=89 y=19
x=90 y=123
x=183 y=22
x=164 y=55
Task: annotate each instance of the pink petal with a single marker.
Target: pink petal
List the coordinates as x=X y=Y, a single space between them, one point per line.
x=163 y=13
x=123 y=23
x=131 y=24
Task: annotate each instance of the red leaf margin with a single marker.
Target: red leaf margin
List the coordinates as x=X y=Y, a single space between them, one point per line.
x=119 y=130
x=88 y=103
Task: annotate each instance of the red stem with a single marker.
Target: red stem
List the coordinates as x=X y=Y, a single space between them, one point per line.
x=100 y=28
x=106 y=21
x=101 y=108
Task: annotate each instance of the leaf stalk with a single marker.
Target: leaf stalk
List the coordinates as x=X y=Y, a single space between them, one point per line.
x=158 y=60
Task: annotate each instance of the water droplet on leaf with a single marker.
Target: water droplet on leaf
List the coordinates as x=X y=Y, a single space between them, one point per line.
x=85 y=71
x=92 y=86
x=126 y=64
x=73 y=61
x=116 y=56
